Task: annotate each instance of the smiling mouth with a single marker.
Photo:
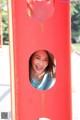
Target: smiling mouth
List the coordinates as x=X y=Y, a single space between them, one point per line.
x=38 y=68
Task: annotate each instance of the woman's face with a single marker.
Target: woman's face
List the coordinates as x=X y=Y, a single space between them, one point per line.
x=39 y=61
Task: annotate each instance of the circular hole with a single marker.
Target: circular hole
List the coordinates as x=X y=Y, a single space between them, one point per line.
x=42 y=70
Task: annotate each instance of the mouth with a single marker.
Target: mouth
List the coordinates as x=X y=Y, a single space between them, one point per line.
x=39 y=68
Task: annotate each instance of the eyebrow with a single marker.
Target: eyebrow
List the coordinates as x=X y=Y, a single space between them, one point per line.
x=37 y=55
x=40 y=56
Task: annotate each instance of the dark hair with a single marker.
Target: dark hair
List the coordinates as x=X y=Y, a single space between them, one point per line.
x=51 y=63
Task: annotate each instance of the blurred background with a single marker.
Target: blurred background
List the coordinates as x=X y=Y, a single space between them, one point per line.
x=5 y=98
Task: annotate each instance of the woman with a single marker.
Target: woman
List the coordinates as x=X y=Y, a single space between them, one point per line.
x=41 y=67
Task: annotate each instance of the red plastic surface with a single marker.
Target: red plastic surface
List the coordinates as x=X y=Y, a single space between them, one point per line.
x=53 y=35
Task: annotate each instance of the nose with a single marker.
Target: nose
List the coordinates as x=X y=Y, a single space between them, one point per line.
x=41 y=62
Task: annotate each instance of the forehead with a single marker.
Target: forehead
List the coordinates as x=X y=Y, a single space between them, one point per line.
x=41 y=53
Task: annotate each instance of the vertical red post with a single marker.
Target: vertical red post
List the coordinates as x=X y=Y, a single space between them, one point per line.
x=54 y=36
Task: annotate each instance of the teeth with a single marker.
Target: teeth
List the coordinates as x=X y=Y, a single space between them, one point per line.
x=40 y=68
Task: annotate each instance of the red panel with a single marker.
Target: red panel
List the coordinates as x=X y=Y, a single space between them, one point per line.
x=54 y=36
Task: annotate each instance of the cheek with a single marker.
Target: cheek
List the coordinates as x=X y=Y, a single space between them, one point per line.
x=45 y=64
x=34 y=62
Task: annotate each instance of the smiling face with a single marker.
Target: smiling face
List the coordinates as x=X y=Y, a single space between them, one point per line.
x=39 y=62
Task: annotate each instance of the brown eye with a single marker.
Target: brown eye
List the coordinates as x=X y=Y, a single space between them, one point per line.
x=38 y=58
x=46 y=60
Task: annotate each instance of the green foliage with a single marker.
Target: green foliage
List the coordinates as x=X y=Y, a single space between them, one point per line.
x=77 y=47
x=5 y=22
x=75 y=34
x=75 y=19
x=73 y=9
